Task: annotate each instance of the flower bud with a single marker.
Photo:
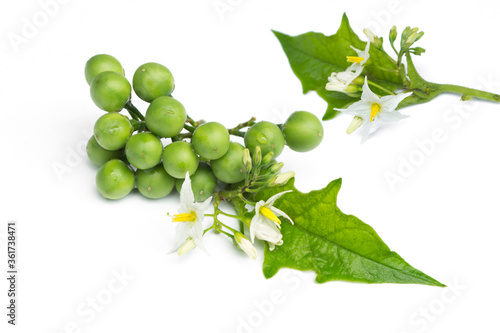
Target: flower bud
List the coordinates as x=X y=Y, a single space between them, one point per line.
x=405 y=33
x=418 y=50
x=355 y=123
x=393 y=34
x=244 y=244
x=282 y=178
x=268 y=158
x=257 y=156
x=186 y=247
x=247 y=160
x=277 y=167
x=372 y=38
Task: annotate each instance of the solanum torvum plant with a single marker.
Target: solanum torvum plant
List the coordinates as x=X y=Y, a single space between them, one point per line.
x=165 y=150
x=361 y=79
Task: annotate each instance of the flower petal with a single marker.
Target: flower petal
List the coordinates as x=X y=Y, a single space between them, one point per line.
x=279 y=212
x=200 y=208
x=187 y=196
x=368 y=96
x=196 y=232
x=359 y=108
x=275 y=197
x=254 y=225
x=181 y=234
x=391 y=116
x=389 y=103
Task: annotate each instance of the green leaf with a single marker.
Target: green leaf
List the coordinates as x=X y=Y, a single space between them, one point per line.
x=314 y=57
x=334 y=245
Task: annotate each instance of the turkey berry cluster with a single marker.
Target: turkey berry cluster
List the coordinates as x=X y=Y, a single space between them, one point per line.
x=130 y=150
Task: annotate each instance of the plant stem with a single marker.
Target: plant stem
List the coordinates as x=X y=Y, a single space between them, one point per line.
x=189 y=128
x=236 y=131
x=134 y=112
x=468 y=92
x=208 y=229
x=380 y=87
x=429 y=90
x=138 y=125
x=194 y=122
x=226 y=226
x=183 y=136
x=230 y=215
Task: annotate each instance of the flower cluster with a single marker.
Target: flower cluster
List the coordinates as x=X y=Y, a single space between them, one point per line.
x=371 y=110
x=265 y=224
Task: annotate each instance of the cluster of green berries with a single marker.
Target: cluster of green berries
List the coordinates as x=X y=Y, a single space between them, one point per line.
x=130 y=151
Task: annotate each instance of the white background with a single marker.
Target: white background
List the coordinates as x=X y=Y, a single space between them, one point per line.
x=443 y=219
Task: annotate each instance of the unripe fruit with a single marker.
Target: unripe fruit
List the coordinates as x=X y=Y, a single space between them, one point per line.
x=151 y=81
x=144 y=150
x=303 y=131
x=110 y=91
x=266 y=135
x=112 y=130
x=154 y=183
x=115 y=180
x=229 y=168
x=203 y=183
x=166 y=117
x=179 y=158
x=98 y=155
x=101 y=63
x=211 y=140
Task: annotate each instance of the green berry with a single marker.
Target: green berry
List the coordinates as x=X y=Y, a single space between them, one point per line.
x=99 y=155
x=229 y=168
x=266 y=135
x=115 y=179
x=203 y=183
x=112 y=130
x=303 y=131
x=179 y=158
x=166 y=117
x=154 y=183
x=152 y=80
x=101 y=63
x=110 y=91
x=211 y=140
x=144 y=150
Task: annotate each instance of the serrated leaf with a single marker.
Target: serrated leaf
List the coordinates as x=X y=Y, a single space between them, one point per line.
x=314 y=57
x=334 y=245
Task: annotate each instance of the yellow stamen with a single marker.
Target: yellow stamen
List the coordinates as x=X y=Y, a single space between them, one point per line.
x=375 y=110
x=184 y=217
x=269 y=214
x=355 y=59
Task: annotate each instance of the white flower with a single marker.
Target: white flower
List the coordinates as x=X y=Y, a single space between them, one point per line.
x=342 y=81
x=245 y=245
x=189 y=231
x=362 y=57
x=265 y=225
x=374 y=110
